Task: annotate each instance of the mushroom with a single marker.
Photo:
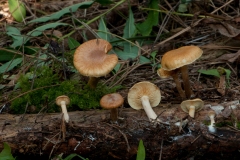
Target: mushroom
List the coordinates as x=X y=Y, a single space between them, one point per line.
x=211 y=115
x=145 y=95
x=112 y=101
x=63 y=101
x=165 y=74
x=91 y=59
x=180 y=58
x=192 y=106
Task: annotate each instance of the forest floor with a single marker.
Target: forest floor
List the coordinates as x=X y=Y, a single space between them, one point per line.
x=141 y=32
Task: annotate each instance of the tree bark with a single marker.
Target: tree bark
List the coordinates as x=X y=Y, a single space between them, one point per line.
x=92 y=135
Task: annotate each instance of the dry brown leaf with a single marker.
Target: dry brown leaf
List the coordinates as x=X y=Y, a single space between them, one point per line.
x=227 y=112
x=223 y=27
x=231 y=57
x=222 y=85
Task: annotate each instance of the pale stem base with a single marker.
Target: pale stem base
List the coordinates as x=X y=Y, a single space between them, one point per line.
x=212 y=120
x=147 y=108
x=192 y=111
x=64 y=111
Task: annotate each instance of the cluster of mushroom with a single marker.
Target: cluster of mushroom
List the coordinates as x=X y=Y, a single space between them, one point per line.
x=91 y=59
x=177 y=60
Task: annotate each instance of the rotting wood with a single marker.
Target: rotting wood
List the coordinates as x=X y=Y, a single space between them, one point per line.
x=90 y=134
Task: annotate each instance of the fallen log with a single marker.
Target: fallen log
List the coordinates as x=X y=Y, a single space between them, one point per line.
x=92 y=135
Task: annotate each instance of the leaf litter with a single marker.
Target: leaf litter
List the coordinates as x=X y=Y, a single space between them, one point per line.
x=211 y=35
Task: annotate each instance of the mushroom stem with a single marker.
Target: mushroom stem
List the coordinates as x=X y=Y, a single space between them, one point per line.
x=114 y=114
x=149 y=111
x=64 y=111
x=212 y=120
x=147 y=108
x=92 y=82
x=178 y=85
x=185 y=77
x=191 y=111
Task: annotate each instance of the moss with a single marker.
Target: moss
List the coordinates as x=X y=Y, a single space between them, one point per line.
x=223 y=124
x=238 y=125
x=206 y=122
x=53 y=87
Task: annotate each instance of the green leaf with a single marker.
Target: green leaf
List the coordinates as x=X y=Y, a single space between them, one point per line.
x=71 y=156
x=19 y=40
x=6 y=153
x=128 y=32
x=126 y=55
x=129 y=29
x=72 y=43
x=7 y=54
x=117 y=67
x=212 y=72
x=17 y=9
x=143 y=60
x=145 y=28
x=141 y=151
x=102 y=27
x=38 y=31
x=10 y=65
x=182 y=8
x=59 y=14
x=15 y=33
x=228 y=72
x=2 y=86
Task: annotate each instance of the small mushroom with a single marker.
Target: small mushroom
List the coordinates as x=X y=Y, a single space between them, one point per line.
x=91 y=59
x=112 y=101
x=166 y=74
x=145 y=95
x=211 y=115
x=180 y=58
x=192 y=106
x=63 y=101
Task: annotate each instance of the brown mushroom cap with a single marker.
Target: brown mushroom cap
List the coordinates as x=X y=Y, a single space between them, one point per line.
x=164 y=73
x=179 y=57
x=144 y=88
x=211 y=113
x=110 y=101
x=198 y=103
x=91 y=58
x=59 y=99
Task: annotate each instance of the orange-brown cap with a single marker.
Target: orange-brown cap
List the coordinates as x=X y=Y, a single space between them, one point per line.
x=197 y=103
x=164 y=73
x=110 y=101
x=179 y=57
x=59 y=99
x=141 y=89
x=91 y=58
x=211 y=113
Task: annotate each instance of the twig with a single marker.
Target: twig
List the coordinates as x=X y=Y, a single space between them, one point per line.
x=189 y=27
x=195 y=139
x=160 y=156
x=124 y=135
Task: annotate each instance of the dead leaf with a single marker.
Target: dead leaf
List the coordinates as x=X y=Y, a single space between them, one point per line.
x=232 y=57
x=237 y=19
x=222 y=85
x=227 y=112
x=223 y=27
